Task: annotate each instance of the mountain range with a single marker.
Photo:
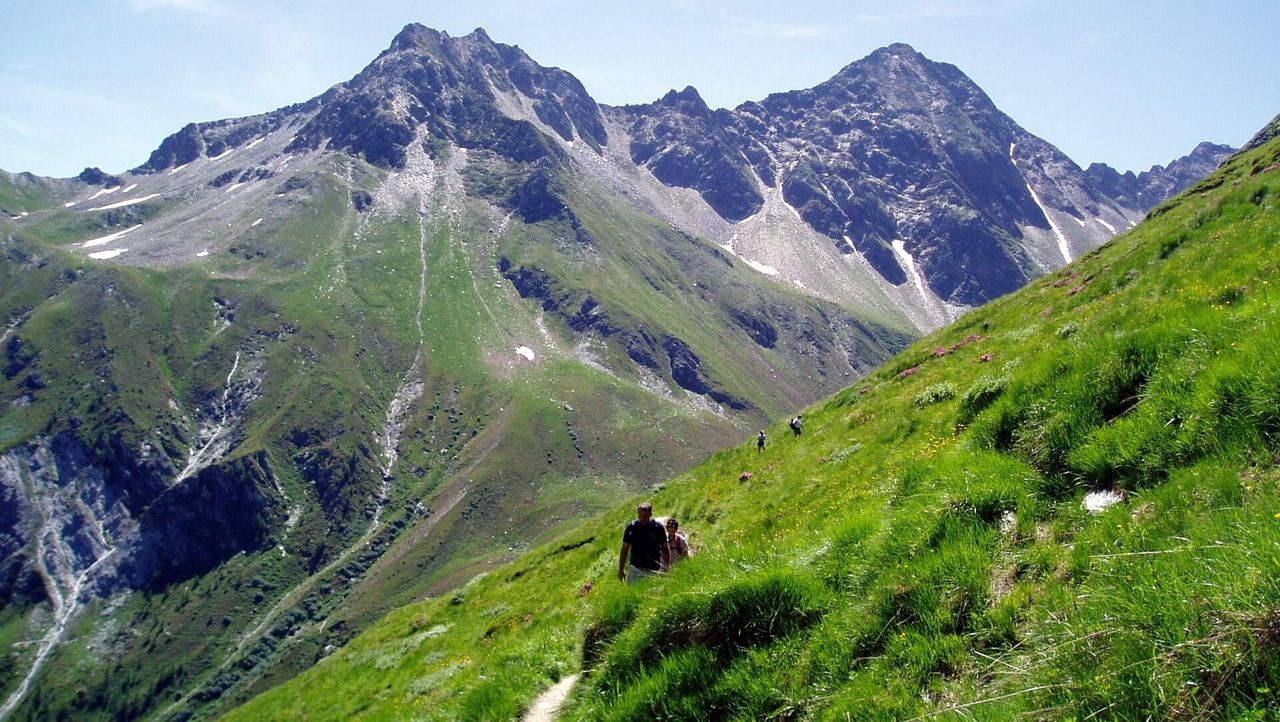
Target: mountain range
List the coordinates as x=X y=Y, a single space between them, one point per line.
x=314 y=364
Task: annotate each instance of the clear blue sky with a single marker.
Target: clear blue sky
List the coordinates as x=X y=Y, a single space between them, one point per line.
x=1129 y=83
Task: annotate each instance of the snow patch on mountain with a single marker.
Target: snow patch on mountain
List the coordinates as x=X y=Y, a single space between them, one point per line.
x=104 y=240
x=766 y=270
x=122 y=204
x=104 y=255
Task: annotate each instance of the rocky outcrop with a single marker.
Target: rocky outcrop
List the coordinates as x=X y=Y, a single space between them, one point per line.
x=686 y=370
x=683 y=143
x=64 y=516
x=1269 y=131
x=95 y=177
x=206 y=519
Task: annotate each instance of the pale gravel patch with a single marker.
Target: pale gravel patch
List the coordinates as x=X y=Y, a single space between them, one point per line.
x=547 y=706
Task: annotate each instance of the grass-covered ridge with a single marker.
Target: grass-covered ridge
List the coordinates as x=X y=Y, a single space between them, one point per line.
x=923 y=550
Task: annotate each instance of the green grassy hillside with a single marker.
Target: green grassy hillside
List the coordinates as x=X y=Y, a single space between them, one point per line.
x=924 y=550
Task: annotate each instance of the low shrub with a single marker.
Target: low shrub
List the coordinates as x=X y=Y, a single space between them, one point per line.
x=941 y=391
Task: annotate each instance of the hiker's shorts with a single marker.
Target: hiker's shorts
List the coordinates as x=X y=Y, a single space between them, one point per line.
x=635 y=574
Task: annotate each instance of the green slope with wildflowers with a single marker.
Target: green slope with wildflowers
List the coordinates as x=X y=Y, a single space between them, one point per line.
x=924 y=549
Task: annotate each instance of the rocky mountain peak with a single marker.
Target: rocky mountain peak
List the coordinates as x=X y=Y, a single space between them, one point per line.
x=1212 y=151
x=686 y=101
x=415 y=35
x=1146 y=189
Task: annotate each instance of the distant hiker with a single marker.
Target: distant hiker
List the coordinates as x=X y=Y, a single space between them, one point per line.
x=677 y=542
x=760 y=441
x=795 y=425
x=645 y=542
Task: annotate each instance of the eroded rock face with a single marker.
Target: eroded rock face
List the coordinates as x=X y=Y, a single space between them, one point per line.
x=895 y=147
x=69 y=528
x=683 y=143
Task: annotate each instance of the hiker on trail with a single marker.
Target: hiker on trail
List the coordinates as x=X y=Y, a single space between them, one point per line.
x=677 y=542
x=645 y=542
x=760 y=441
x=795 y=425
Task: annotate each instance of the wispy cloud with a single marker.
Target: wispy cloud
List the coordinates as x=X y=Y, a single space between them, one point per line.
x=858 y=13
x=199 y=7
x=9 y=125
x=938 y=10
x=786 y=31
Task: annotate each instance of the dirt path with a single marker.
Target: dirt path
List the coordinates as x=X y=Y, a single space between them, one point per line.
x=547 y=705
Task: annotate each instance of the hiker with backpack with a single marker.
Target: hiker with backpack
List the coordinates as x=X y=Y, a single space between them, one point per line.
x=795 y=425
x=760 y=441
x=677 y=542
x=644 y=545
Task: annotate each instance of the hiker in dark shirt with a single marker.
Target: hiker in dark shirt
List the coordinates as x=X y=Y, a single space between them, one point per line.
x=645 y=542
x=795 y=425
x=760 y=441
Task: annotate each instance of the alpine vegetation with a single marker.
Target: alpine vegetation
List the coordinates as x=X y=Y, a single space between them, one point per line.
x=1002 y=521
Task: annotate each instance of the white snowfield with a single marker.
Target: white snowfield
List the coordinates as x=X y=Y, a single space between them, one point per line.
x=255 y=142
x=129 y=188
x=68 y=204
x=104 y=240
x=202 y=254
x=251 y=225
x=175 y=170
x=1106 y=225
x=104 y=191
x=122 y=204
x=526 y=352
x=900 y=247
x=766 y=270
x=104 y=255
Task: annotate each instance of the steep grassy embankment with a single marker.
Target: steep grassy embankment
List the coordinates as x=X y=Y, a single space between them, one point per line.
x=923 y=550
